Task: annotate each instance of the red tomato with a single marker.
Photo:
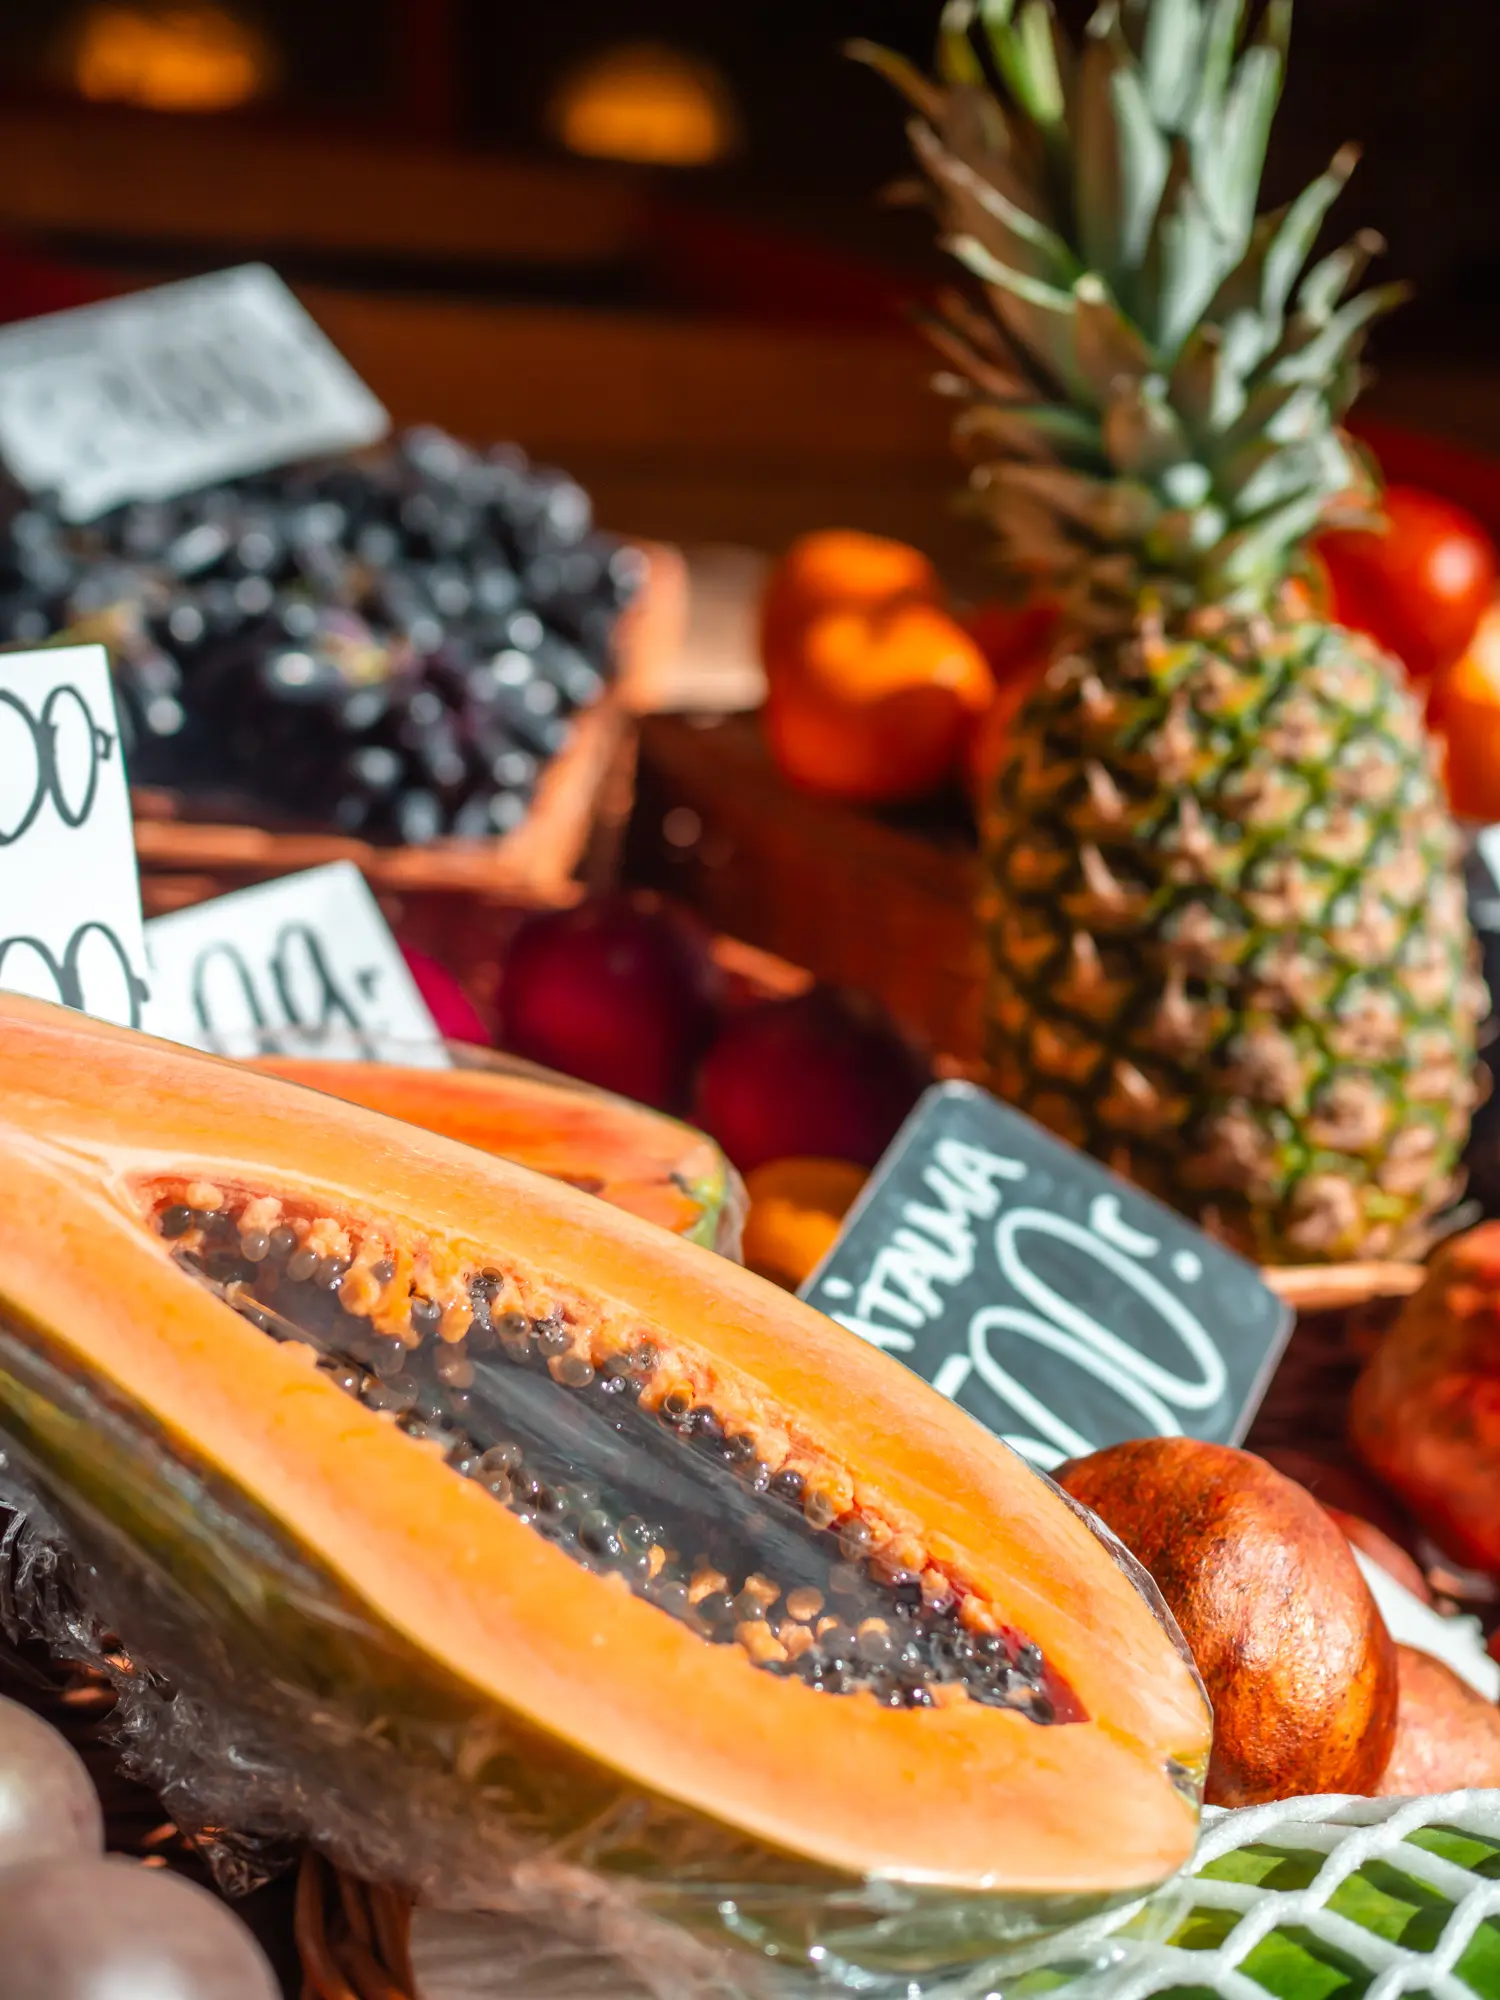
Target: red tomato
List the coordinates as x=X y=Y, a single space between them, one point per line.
x=1464 y=706
x=1421 y=586
x=1011 y=637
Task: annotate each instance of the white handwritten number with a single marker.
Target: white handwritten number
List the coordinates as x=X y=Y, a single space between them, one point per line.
x=1110 y=1226
x=1065 y=1442
x=931 y=1255
x=1186 y=1395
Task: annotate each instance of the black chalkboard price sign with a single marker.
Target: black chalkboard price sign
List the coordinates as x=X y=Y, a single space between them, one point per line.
x=1051 y=1299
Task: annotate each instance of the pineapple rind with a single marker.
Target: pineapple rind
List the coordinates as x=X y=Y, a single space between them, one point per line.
x=1230 y=949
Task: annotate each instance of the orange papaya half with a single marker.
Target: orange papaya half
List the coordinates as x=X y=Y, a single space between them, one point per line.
x=628 y=1155
x=529 y=1550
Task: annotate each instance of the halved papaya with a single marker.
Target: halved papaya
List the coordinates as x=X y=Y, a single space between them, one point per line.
x=525 y=1552
x=635 y=1158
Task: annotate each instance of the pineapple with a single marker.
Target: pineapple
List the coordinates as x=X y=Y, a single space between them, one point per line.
x=1229 y=946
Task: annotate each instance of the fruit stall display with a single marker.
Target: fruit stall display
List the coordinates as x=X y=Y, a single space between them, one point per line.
x=430 y=1478
x=380 y=1380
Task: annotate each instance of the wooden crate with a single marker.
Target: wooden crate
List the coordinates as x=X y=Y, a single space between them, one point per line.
x=877 y=901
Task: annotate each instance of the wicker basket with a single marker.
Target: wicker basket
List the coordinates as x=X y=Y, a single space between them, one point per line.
x=352 y=1936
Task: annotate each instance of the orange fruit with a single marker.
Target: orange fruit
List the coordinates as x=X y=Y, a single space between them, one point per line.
x=836 y=568
x=881 y=706
x=796 y=1207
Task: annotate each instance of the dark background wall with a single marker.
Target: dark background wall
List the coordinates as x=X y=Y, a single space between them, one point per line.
x=1413 y=80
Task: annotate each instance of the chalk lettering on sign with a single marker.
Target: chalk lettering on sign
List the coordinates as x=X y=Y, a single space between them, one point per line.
x=1110 y=1226
x=1185 y=1324
x=1059 y=1305
x=934 y=1248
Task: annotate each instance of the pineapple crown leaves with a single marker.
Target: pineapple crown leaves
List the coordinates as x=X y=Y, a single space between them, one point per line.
x=1153 y=392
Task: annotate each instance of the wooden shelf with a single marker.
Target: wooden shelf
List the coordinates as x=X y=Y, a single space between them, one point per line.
x=251 y=189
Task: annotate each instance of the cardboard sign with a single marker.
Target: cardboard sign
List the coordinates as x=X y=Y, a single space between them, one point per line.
x=1054 y=1301
x=302 y=966
x=70 y=900
x=144 y=397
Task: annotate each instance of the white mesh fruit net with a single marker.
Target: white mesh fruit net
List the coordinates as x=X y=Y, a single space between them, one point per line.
x=1314 y=1898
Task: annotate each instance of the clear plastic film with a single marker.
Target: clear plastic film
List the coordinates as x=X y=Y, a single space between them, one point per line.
x=1297 y=1898
x=266 y=1708
x=713 y=1201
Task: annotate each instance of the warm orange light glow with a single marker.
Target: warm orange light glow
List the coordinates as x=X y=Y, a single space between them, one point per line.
x=647 y=104
x=186 y=58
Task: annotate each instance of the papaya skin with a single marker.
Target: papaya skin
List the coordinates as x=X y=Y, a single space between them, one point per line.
x=94 y=1121
x=1295 y=1656
x=638 y=1159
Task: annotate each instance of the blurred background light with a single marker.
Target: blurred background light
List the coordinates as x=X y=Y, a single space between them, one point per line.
x=192 y=58
x=648 y=104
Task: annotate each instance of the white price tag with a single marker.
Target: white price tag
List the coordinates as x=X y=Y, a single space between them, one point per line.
x=70 y=900
x=144 y=397
x=302 y=966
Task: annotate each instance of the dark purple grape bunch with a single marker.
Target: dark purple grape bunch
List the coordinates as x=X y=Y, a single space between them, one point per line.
x=394 y=646
x=75 y=1924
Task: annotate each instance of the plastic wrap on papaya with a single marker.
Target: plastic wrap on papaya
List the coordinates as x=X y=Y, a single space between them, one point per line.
x=514 y=1550
x=637 y=1159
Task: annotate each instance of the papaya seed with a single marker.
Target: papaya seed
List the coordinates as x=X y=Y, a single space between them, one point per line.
x=362 y=1307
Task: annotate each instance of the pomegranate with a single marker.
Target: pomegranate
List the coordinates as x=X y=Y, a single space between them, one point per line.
x=1425 y=1413
x=1338 y=1482
x=445 y=1000
x=617 y=992
x=822 y=1076
x=1447 y=1734
x=1295 y=1656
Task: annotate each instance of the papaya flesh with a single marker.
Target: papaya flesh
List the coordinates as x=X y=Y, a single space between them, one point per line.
x=635 y=1158
x=613 y=1551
